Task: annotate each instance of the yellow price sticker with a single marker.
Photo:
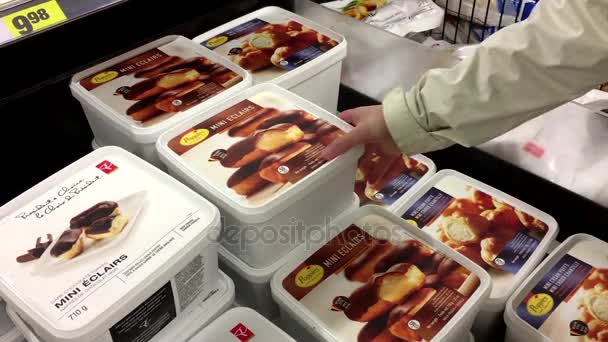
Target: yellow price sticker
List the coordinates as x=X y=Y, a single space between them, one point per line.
x=34 y=18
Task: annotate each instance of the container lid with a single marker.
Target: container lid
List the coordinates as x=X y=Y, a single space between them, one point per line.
x=276 y=45
x=241 y=324
x=145 y=91
x=389 y=180
x=504 y=235
x=380 y=275
x=566 y=298
x=94 y=234
x=258 y=152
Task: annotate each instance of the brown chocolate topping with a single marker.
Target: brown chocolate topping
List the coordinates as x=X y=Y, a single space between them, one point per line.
x=66 y=241
x=87 y=217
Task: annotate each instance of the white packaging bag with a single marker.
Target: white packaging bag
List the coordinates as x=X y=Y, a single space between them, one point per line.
x=399 y=17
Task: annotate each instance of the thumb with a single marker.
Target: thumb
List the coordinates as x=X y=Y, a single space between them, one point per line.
x=341 y=145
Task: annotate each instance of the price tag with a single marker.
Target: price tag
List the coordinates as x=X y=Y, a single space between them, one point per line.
x=35 y=18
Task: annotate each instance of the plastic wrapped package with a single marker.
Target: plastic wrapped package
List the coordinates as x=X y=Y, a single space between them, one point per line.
x=566 y=146
x=399 y=17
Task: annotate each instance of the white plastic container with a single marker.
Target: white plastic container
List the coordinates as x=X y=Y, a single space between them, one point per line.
x=223 y=155
x=148 y=256
x=242 y=324
x=313 y=73
x=376 y=266
x=388 y=181
x=254 y=283
x=564 y=298
x=510 y=250
x=199 y=316
x=125 y=112
x=8 y=331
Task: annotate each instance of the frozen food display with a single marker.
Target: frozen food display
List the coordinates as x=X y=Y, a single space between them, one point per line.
x=386 y=180
x=566 y=298
x=111 y=239
x=377 y=280
x=131 y=99
x=278 y=46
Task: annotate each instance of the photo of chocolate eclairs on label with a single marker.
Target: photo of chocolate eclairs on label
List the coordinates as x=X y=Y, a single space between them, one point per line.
x=92 y=231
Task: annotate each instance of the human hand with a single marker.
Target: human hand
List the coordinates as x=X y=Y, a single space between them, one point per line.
x=370 y=128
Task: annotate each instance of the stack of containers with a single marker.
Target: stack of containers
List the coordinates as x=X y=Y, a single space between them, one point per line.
x=257 y=157
x=254 y=283
x=565 y=298
x=8 y=331
x=284 y=48
x=389 y=180
x=505 y=236
x=242 y=324
x=117 y=244
x=217 y=302
x=379 y=278
x=131 y=99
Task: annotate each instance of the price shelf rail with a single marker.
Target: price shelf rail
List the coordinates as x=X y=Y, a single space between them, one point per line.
x=22 y=18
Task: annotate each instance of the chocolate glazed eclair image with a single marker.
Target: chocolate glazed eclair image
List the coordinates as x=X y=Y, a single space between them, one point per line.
x=103 y=220
x=269 y=139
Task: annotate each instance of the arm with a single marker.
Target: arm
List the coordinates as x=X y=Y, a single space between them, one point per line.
x=522 y=71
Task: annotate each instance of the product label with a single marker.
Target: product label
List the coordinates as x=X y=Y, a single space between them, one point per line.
x=155 y=85
x=360 y=286
x=147 y=319
x=569 y=301
x=383 y=179
x=271 y=46
x=490 y=232
x=255 y=150
x=94 y=237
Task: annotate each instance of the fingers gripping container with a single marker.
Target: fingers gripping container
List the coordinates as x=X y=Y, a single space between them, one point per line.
x=504 y=235
x=131 y=99
x=281 y=47
x=211 y=307
x=254 y=283
x=242 y=324
x=379 y=278
x=389 y=180
x=257 y=157
x=118 y=244
x=565 y=298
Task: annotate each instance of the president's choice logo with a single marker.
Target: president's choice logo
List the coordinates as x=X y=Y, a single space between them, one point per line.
x=107 y=167
x=241 y=332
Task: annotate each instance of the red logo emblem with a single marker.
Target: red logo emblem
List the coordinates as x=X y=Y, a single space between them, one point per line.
x=107 y=167
x=534 y=149
x=242 y=333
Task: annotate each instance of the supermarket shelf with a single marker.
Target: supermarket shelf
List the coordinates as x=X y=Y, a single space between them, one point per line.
x=72 y=10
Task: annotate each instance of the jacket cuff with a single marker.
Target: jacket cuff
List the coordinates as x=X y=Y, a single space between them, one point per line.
x=410 y=137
